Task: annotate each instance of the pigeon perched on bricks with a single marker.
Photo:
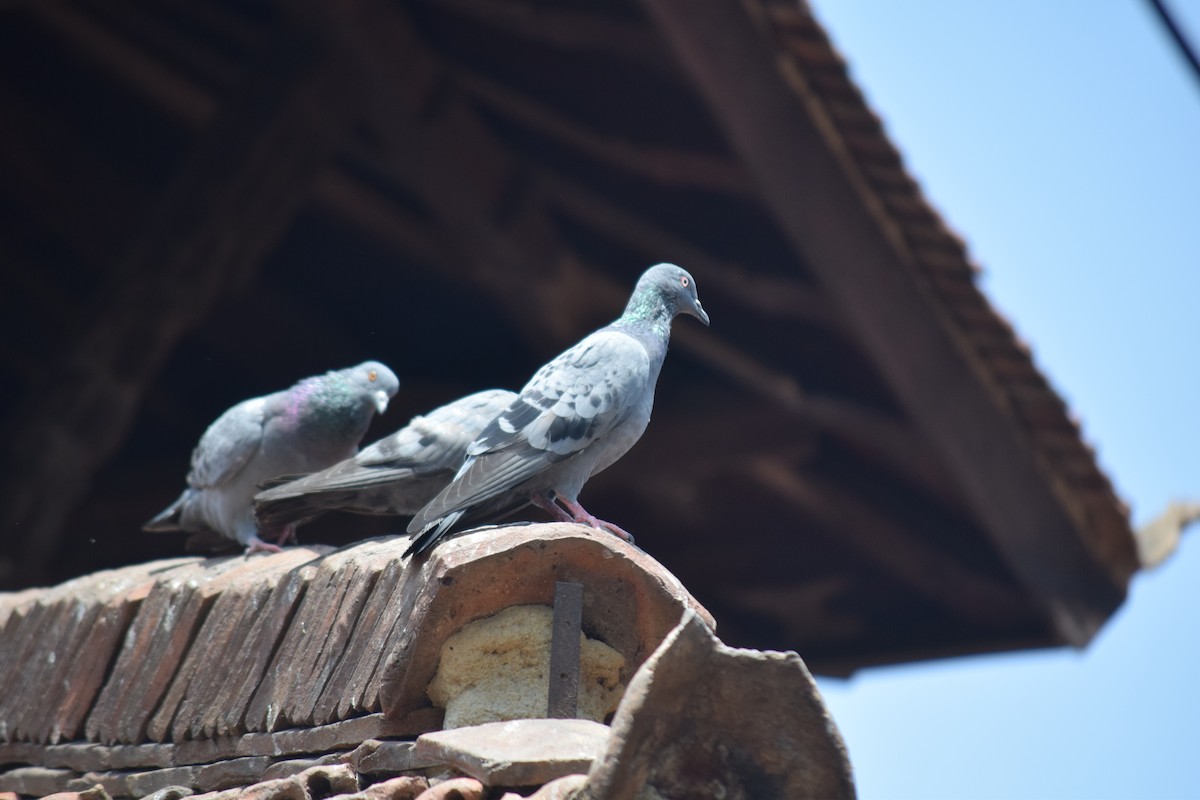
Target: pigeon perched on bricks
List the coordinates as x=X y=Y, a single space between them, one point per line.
x=577 y=415
x=395 y=476
x=317 y=422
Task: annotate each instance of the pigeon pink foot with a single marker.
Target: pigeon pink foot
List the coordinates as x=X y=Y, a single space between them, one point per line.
x=257 y=545
x=580 y=514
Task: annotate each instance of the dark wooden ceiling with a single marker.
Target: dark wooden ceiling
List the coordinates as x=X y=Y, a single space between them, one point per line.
x=204 y=201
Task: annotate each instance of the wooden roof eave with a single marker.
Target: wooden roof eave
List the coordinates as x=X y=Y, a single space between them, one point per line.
x=800 y=166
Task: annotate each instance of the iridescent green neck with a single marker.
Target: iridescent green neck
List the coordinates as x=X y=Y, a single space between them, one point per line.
x=648 y=308
x=327 y=402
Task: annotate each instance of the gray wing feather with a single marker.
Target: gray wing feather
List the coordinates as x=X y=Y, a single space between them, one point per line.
x=406 y=468
x=439 y=439
x=569 y=404
x=228 y=444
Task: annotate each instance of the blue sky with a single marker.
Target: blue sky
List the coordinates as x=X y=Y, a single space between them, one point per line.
x=1062 y=140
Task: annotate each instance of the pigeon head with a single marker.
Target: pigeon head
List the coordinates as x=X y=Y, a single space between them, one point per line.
x=665 y=290
x=374 y=381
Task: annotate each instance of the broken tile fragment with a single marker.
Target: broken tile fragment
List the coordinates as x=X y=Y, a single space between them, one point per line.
x=700 y=719
x=521 y=752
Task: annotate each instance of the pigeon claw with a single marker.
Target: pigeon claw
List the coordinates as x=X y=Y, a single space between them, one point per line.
x=287 y=535
x=616 y=530
x=580 y=514
x=257 y=545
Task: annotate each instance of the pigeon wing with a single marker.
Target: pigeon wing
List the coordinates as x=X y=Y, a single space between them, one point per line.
x=571 y=403
x=229 y=444
x=439 y=439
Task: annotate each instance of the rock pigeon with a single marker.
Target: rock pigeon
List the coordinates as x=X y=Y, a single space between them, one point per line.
x=315 y=423
x=396 y=476
x=577 y=415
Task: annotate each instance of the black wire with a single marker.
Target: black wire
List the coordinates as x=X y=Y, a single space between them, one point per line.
x=1177 y=34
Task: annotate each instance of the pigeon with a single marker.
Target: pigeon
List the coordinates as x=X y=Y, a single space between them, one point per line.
x=317 y=422
x=395 y=476
x=577 y=415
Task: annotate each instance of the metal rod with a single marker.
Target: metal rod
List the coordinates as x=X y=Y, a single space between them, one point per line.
x=563 y=699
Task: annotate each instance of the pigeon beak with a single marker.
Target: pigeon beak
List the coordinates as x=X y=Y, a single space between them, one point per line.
x=698 y=311
x=381 y=401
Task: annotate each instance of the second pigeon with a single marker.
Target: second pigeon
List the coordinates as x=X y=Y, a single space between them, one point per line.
x=395 y=476
x=317 y=422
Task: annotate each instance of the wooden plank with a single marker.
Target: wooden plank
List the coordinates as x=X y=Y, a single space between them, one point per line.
x=822 y=204
x=662 y=165
x=568 y=28
x=742 y=283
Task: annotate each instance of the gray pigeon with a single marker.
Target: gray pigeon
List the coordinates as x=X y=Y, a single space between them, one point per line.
x=315 y=423
x=396 y=476
x=577 y=415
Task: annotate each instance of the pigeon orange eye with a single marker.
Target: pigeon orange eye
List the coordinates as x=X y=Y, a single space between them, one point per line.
x=372 y=375
x=684 y=281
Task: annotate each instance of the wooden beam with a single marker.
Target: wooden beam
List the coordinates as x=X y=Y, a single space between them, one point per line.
x=688 y=443
x=192 y=105
x=440 y=150
x=231 y=199
x=893 y=550
x=48 y=169
x=205 y=56
x=742 y=283
x=566 y=29
x=887 y=441
x=362 y=207
x=800 y=166
x=657 y=164
x=148 y=76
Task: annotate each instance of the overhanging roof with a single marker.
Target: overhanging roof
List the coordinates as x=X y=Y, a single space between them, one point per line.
x=205 y=201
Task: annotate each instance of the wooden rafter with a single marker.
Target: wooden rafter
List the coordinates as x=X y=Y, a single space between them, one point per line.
x=39 y=163
x=801 y=175
x=567 y=29
x=227 y=205
x=786 y=298
x=657 y=164
x=895 y=551
x=136 y=68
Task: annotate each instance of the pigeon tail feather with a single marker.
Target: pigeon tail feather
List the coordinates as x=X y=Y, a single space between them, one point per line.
x=168 y=520
x=433 y=534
